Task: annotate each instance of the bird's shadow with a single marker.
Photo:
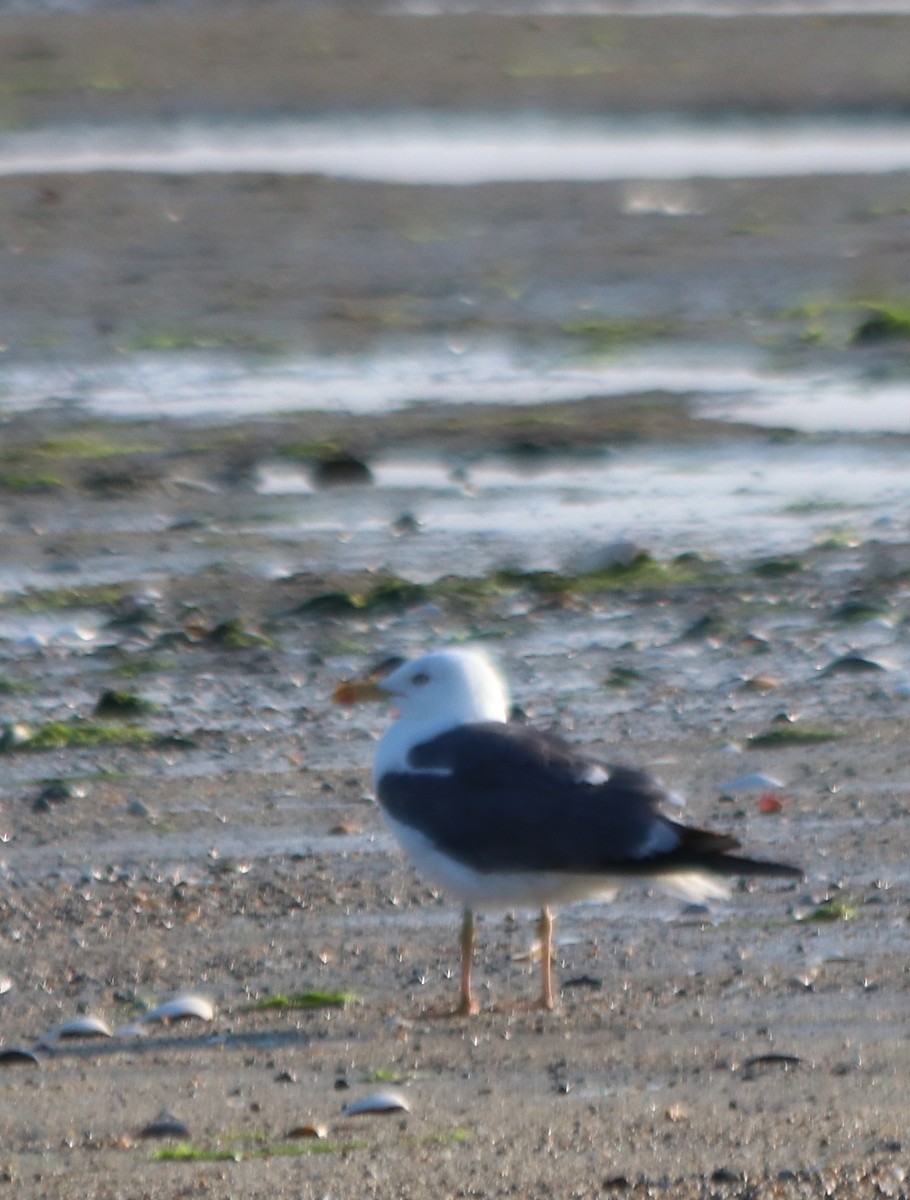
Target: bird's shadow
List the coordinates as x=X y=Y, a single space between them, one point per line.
x=105 y=1047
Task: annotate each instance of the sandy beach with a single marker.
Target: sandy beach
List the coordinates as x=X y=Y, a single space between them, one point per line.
x=184 y=811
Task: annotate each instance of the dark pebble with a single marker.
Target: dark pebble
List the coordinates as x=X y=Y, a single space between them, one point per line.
x=725 y=1175
x=343 y=471
x=53 y=793
x=584 y=981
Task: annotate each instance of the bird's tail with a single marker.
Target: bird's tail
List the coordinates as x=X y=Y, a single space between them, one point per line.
x=702 y=850
x=734 y=864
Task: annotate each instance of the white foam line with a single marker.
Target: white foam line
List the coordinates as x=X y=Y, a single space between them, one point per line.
x=551 y=8
x=227 y=386
x=424 y=150
x=657 y=8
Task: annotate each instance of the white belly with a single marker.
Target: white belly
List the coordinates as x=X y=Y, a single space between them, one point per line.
x=498 y=889
x=533 y=889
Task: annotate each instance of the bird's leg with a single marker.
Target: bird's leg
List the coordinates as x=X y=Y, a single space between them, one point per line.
x=545 y=935
x=467 y=1005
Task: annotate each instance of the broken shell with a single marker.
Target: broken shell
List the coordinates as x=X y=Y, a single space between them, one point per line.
x=138 y=808
x=183 y=1008
x=11 y=1056
x=754 y=781
x=584 y=981
x=784 y=1062
x=769 y=805
x=854 y=664
x=165 y=1125
x=760 y=683
x=345 y=829
x=376 y=1102
x=83 y=1027
x=308 y=1129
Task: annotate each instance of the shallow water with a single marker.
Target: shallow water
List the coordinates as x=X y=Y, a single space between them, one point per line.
x=437 y=150
x=718 y=8
x=736 y=385
x=668 y=499
x=735 y=500
x=650 y=8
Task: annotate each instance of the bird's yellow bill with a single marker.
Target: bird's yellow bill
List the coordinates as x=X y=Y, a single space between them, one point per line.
x=356 y=691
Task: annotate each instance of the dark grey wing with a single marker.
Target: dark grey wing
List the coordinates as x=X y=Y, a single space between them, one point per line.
x=508 y=798
x=504 y=797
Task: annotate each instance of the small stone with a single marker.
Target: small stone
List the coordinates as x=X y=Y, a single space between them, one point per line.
x=138 y=808
x=725 y=1175
x=407 y=523
x=621 y=553
x=57 y=791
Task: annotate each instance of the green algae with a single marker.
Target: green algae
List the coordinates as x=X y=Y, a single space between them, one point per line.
x=793 y=735
x=115 y=702
x=308 y=1000
x=832 y=910
x=101 y=595
x=882 y=322
x=189 y=1152
x=394 y=594
x=77 y=734
x=232 y=634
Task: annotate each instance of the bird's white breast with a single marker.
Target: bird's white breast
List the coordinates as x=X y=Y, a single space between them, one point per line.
x=397 y=743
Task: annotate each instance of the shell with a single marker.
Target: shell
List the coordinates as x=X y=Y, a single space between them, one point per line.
x=14 y=1056
x=165 y=1125
x=761 y=1062
x=855 y=664
x=760 y=683
x=189 y=1007
x=308 y=1129
x=83 y=1027
x=769 y=804
x=754 y=781
x=376 y=1103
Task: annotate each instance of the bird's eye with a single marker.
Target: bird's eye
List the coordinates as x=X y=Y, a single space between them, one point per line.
x=420 y=678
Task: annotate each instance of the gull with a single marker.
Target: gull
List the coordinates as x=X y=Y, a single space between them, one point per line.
x=501 y=815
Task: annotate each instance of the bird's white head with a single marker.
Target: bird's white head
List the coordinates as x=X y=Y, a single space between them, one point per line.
x=448 y=688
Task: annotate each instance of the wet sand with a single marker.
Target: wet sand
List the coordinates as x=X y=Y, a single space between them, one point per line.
x=114 y=263
x=238 y=856
x=228 y=59
x=757 y=1049
x=120 y=263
